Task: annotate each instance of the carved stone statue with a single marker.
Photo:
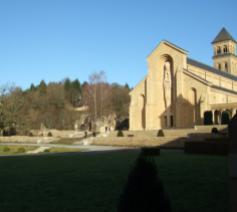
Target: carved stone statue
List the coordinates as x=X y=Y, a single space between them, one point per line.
x=167 y=85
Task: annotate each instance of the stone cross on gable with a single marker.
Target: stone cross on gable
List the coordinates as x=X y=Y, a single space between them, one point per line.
x=233 y=163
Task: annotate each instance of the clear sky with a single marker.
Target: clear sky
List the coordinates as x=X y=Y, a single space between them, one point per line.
x=55 y=39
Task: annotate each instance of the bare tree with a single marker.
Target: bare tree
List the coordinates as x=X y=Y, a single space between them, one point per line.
x=96 y=81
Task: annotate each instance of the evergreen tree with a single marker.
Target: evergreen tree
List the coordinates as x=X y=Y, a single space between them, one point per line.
x=126 y=86
x=76 y=92
x=73 y=91
x=42 y=87
x=32 y=87
x=67 y=84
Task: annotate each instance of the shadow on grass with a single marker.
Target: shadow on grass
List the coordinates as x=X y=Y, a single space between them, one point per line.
x=144 y=190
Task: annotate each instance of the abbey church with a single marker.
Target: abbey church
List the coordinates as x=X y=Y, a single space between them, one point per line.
x=180 y=92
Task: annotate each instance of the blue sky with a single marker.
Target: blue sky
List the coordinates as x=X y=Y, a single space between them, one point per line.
x=54 y=39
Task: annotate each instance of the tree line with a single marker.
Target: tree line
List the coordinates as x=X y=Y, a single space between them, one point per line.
x=54 y=104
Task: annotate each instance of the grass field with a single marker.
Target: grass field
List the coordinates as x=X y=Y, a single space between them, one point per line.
x=63 y=150
x=15 y=149
x=93 y=181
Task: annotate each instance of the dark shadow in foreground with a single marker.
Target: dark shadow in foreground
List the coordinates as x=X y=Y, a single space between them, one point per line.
x=232 y=159
x=144 y=189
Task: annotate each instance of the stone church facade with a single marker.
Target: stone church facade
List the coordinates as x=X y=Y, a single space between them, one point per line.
x=178 y=92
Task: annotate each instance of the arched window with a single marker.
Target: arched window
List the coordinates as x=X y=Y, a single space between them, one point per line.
x=208 y=118
x=225 y=117
x=219 y=66
x=225 y=49
x=218 y=50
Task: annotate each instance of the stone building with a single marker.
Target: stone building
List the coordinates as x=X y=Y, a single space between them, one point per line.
x=180 y=92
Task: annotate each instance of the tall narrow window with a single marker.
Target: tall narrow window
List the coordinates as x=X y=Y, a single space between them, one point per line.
x=226 y=66
x=219 y=66
x=225 y=49
x=165 y=117
x=171 y=121
x=218 y=50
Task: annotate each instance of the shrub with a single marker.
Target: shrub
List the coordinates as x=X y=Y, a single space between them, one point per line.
x=214 y=130
x=47 y=150
x=160 y=133
x=120 y=133
x=6 y=149
x=21 y=150
x=144 y=190
x=49 y=134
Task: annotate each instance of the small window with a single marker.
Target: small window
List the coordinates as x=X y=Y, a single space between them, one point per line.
x=225 y=49
x=218 y=50
x=171 y=121
x=226 y=66
x=219 y=66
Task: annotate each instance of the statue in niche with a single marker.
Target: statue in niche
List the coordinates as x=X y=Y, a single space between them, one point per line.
x=167 y=84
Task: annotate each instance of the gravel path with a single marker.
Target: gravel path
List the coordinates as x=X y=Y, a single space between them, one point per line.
x=87 y=148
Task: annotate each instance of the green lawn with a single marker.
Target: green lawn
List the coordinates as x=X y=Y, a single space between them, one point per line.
x=15 y=149
x=63 y=149
x=93 y=182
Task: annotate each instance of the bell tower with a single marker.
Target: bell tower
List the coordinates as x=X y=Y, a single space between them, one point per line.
x=224 y=46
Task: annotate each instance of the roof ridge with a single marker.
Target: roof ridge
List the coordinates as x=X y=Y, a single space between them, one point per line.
x=175 y=46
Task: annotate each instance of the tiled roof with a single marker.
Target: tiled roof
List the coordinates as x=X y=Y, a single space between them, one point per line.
x=223 y=35
x=210 y=69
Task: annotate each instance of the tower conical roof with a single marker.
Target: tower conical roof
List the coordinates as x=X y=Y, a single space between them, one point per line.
x=223 y=35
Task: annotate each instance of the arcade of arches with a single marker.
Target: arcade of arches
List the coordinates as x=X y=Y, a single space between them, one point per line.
x=220 y=113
